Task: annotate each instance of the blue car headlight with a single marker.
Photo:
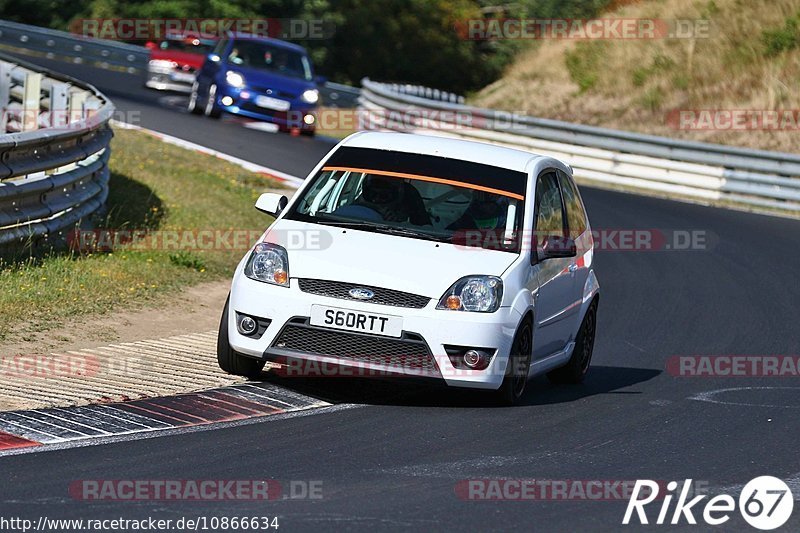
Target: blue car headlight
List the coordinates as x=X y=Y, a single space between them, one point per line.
x=311 y=96
x=234 y=79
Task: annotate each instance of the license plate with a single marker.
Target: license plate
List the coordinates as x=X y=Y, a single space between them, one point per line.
x=182 y=76
x=272 y=103
x=347 y=319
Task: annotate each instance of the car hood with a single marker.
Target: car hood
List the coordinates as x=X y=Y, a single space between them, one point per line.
x=411 y=265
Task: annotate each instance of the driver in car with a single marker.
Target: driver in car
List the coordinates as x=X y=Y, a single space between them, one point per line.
x=485 y=213
x=393 y=199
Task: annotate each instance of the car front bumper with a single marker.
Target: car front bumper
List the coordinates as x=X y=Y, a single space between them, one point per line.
x=169 y=79
x=246 y=107
x=288 y=308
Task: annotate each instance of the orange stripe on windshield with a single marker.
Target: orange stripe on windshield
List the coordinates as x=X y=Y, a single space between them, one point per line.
x=426 y=178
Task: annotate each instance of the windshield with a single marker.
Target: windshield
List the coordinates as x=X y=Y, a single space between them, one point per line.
x=188 y=45
x=414 y=205
x=264 y=56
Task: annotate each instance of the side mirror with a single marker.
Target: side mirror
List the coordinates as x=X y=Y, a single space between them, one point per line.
x=320 y=80
x=555 y=246
x=271 y=203
x=150 y=45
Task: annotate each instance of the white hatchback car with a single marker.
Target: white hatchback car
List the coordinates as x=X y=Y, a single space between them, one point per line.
x=420 y=256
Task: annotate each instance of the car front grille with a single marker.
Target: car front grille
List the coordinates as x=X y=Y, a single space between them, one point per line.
x=260 y=89
x=408 y=353
x=341 y=290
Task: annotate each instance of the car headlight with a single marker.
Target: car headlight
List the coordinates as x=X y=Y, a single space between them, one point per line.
x=481 y=294
x=268 y=263
x=311 y=96
x=234 y=79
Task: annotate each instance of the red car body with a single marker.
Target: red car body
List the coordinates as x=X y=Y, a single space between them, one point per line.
x=174 y=62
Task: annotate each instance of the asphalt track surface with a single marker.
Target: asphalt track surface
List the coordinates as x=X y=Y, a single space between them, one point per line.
x=391 y=457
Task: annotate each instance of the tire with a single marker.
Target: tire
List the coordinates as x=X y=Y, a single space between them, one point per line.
x=212 y=110
x=230 y=361
x=574 y=372
x=516 y=378
x=192 y=106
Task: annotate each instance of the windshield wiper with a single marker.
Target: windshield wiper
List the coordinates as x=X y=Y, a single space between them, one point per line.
x=407 y=232
x=381 y=228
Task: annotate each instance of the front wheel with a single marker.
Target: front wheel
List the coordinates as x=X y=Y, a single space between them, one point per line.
x=575 y=370
x=212 y=110
x=231 y=361
x=516 y=378
x=192 y=107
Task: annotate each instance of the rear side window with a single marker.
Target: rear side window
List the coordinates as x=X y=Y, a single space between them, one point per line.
x=576 y=215
x=549 y=210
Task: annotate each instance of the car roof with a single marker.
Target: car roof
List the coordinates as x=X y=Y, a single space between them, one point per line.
x=476 y=152
x=269 y=40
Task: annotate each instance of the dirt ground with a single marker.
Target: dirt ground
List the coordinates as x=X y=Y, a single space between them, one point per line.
x=195 y=309
x=126 y=355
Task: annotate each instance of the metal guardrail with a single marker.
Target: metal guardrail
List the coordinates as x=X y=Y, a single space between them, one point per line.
x=54 y=149
x=61 y=45
x=116 y=55
x=704 y=171
x=338 y=95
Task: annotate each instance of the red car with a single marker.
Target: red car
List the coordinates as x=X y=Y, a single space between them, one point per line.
x=175 y=60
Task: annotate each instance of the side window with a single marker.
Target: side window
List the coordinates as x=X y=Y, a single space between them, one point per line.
x=549 y=210
x=576 y=215
x=220 y=48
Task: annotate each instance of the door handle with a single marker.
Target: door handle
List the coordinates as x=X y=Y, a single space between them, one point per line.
x=573 y=267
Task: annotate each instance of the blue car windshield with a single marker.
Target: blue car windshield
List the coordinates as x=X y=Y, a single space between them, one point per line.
x=270 y=58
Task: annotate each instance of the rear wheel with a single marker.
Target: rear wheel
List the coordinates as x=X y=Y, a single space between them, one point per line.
x=192 y=106
x=516 y=378
x=231 y=361
x=576 y=369
x=212 y=109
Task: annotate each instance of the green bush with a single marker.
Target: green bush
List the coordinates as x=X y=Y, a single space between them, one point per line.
x=584 y=63
x=782 y=39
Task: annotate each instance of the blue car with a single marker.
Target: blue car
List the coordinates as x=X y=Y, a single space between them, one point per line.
x=260 y=78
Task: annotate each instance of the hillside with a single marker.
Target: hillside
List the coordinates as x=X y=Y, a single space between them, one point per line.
x=750 y=60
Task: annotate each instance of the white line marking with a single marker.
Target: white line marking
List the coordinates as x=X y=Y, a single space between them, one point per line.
x=134 y=416
x=69 y=421
x=157 y=432
x=30 y=432
x=25 y=414
x=709 y=396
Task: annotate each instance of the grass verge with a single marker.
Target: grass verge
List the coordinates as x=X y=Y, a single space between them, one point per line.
x=155 y=188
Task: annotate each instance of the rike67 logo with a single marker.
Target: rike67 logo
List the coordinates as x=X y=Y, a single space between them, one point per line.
x=765 y=503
